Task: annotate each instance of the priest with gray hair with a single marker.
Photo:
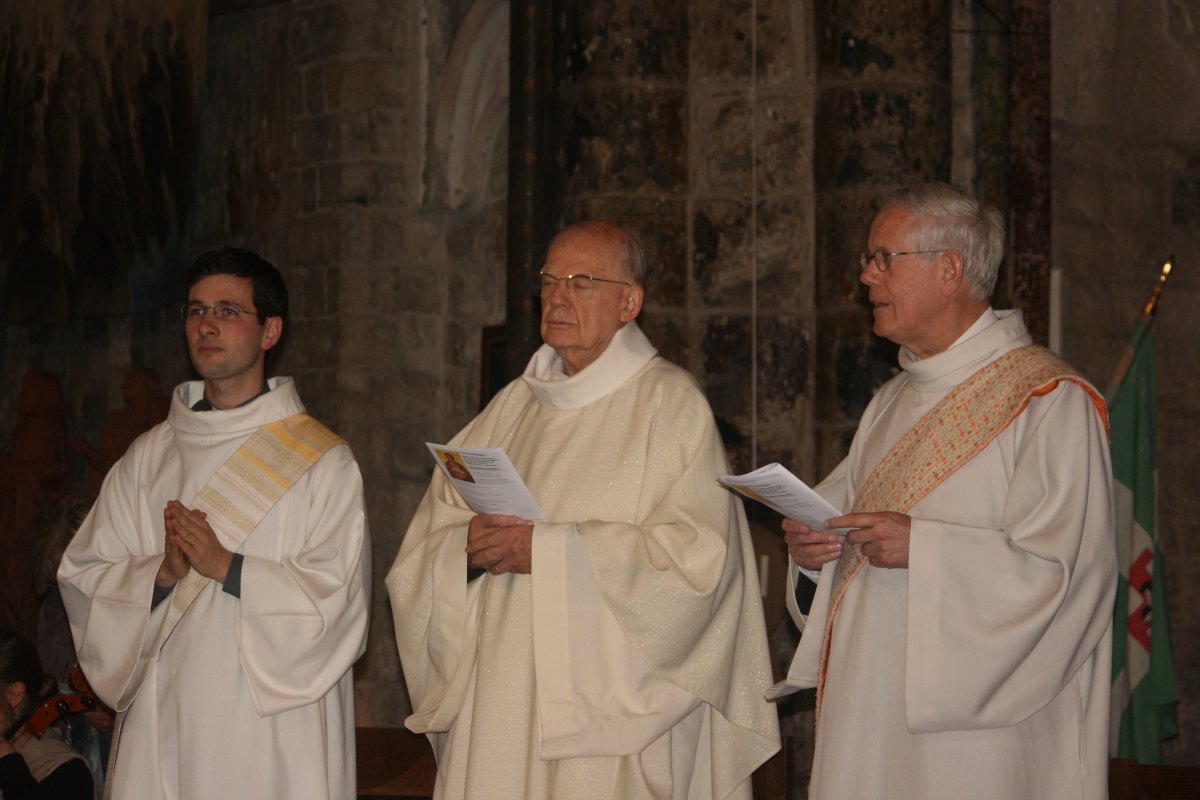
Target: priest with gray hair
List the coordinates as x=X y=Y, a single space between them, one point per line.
x=959 y=635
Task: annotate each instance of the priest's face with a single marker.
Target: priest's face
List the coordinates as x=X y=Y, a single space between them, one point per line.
x=228 y=350
x=907 y=297
x=579 y=324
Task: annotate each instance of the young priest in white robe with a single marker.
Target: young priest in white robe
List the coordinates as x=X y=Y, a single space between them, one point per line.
x=218 y=590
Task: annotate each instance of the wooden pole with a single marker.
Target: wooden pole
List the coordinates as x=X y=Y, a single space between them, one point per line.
x=1148 y=312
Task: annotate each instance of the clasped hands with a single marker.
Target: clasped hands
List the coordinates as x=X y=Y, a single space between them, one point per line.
x=500 y=543
x=883 y=536
x=191 y=542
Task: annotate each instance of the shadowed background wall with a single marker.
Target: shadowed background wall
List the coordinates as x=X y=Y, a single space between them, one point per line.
x=363 y=146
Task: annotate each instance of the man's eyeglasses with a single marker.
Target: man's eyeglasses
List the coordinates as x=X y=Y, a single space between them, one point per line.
x=883 y=259
x=577 y=285
x=221 y=312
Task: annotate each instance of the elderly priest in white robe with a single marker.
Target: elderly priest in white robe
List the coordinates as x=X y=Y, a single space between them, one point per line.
x=218 y=590
x=960 y=639
x=617 y=648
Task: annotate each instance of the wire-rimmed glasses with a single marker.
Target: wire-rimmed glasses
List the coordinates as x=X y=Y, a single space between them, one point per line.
x=193 y=313
x=883 y=258
x=581 y=285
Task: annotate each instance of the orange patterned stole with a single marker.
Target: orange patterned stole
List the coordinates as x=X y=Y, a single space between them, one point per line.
x=954 y=431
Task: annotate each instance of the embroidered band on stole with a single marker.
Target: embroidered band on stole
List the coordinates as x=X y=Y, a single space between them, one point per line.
x=954 y=431
x=247 y=486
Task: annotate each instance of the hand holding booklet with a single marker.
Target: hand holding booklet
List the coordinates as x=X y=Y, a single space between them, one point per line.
x=774 y=486
x=487 y=480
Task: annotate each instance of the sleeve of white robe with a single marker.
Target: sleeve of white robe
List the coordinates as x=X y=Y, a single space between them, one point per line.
x=303 y=619
x=107 y=579
x=428 y=589
x=1000 y=620
x=834 y=491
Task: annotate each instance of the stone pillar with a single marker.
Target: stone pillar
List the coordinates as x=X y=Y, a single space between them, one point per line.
x=692 y=123
x=367 y=337
x=624 y=144
x=532 y=141
x=982 y=53
x=1029 y=244
x=751 y=94
x=883 y=120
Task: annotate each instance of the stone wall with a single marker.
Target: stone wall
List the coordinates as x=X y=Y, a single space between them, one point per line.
x=883 y=120
x=692 y=123
x=1126 y=149
x=97 y=122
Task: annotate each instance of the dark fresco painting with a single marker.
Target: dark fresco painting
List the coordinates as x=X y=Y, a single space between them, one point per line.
x=98 y=105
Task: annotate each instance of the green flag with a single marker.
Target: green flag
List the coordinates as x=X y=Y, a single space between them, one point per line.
x=1144 y=695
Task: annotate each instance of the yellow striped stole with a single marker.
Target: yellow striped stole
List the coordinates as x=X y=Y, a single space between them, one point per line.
x=247 y=486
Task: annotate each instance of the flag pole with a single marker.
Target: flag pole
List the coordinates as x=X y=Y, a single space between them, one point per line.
x=1151 y=307
x=1148 y=312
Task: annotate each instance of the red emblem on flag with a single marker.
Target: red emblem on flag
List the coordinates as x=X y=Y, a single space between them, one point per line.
x=1141 y=580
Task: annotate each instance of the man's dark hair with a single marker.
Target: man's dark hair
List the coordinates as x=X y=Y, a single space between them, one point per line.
x=270 y=292
x=19 y=662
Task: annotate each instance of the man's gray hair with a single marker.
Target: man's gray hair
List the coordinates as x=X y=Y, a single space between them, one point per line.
x=948 y=218
x=624 y=241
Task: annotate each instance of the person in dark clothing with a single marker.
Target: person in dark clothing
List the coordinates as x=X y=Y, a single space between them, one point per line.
x=32 y=767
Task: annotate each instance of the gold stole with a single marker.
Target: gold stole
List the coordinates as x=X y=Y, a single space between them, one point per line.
x=954 y=431
x=236 y=499
x=246 y=487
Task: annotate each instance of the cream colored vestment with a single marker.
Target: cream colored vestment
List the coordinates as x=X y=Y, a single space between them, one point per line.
x=982 y=671
x=248 y=697
x=631 y=662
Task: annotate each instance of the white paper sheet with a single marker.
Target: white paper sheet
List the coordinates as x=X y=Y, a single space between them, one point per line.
x=487 y=480
x=776 y=487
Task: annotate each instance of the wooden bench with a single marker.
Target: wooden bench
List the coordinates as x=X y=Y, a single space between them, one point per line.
x=393 y=762
x=1129 y=780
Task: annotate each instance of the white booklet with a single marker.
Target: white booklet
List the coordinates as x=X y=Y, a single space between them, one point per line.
x=776 y=487
x=487 y=480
